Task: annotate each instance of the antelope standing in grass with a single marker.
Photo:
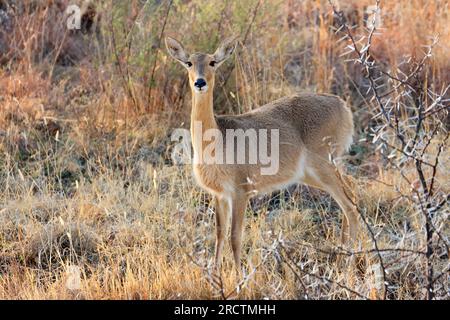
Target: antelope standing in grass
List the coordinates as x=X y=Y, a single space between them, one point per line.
x=303 y=121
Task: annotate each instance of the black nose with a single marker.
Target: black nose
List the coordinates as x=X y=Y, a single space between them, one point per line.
x=200 y=83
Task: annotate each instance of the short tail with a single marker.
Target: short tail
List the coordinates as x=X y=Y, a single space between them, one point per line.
x=348 y=127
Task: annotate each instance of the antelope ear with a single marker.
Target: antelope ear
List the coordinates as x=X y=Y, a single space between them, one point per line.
x=176 y=50
x=225 y=50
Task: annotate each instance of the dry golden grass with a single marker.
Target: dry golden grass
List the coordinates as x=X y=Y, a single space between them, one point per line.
x=87 y=185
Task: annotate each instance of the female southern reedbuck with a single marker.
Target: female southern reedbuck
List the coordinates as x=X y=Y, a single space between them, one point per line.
x=303 y=121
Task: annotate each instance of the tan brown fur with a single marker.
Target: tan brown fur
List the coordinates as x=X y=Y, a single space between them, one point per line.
x=308 y=124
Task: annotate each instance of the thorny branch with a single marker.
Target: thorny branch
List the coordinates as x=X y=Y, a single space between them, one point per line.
x=409 y=125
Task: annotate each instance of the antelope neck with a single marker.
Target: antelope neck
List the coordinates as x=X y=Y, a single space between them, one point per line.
x=202 y=112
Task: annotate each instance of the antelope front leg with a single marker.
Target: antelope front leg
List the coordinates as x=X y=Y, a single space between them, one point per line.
x=237 y=227
x=222 y=217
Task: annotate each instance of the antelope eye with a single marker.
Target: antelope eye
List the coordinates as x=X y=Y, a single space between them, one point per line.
x=189 y=64
x=212 y=63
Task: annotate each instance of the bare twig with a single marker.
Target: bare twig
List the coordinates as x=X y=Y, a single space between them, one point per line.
x=152 y=74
